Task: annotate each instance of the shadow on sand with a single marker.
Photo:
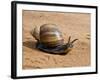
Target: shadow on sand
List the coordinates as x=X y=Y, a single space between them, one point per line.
x=30 y=44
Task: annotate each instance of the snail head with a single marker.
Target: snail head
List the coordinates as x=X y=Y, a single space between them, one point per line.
x=70 y=43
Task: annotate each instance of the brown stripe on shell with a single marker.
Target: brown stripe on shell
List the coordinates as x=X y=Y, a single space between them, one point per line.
x=50 y=36
x=50 y=33
x=49 y=39
x=53 y=43
x=48 y=28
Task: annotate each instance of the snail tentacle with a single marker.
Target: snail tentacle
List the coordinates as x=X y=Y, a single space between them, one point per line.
x=69 y=39
x=74 y=41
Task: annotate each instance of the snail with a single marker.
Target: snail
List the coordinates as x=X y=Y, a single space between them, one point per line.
x=50 y=39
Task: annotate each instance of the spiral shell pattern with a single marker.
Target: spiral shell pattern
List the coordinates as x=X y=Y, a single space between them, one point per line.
x=50 y=35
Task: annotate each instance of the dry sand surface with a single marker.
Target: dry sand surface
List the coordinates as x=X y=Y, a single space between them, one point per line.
x=76 y=25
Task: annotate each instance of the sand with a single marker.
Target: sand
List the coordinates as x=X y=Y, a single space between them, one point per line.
x=76 y=25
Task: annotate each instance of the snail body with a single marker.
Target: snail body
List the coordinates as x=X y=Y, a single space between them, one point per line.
x=50 y=39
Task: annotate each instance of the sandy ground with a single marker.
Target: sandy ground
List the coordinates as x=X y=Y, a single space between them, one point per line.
x=76 y=25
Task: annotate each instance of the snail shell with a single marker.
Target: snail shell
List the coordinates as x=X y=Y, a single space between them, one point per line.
x=50 y=35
